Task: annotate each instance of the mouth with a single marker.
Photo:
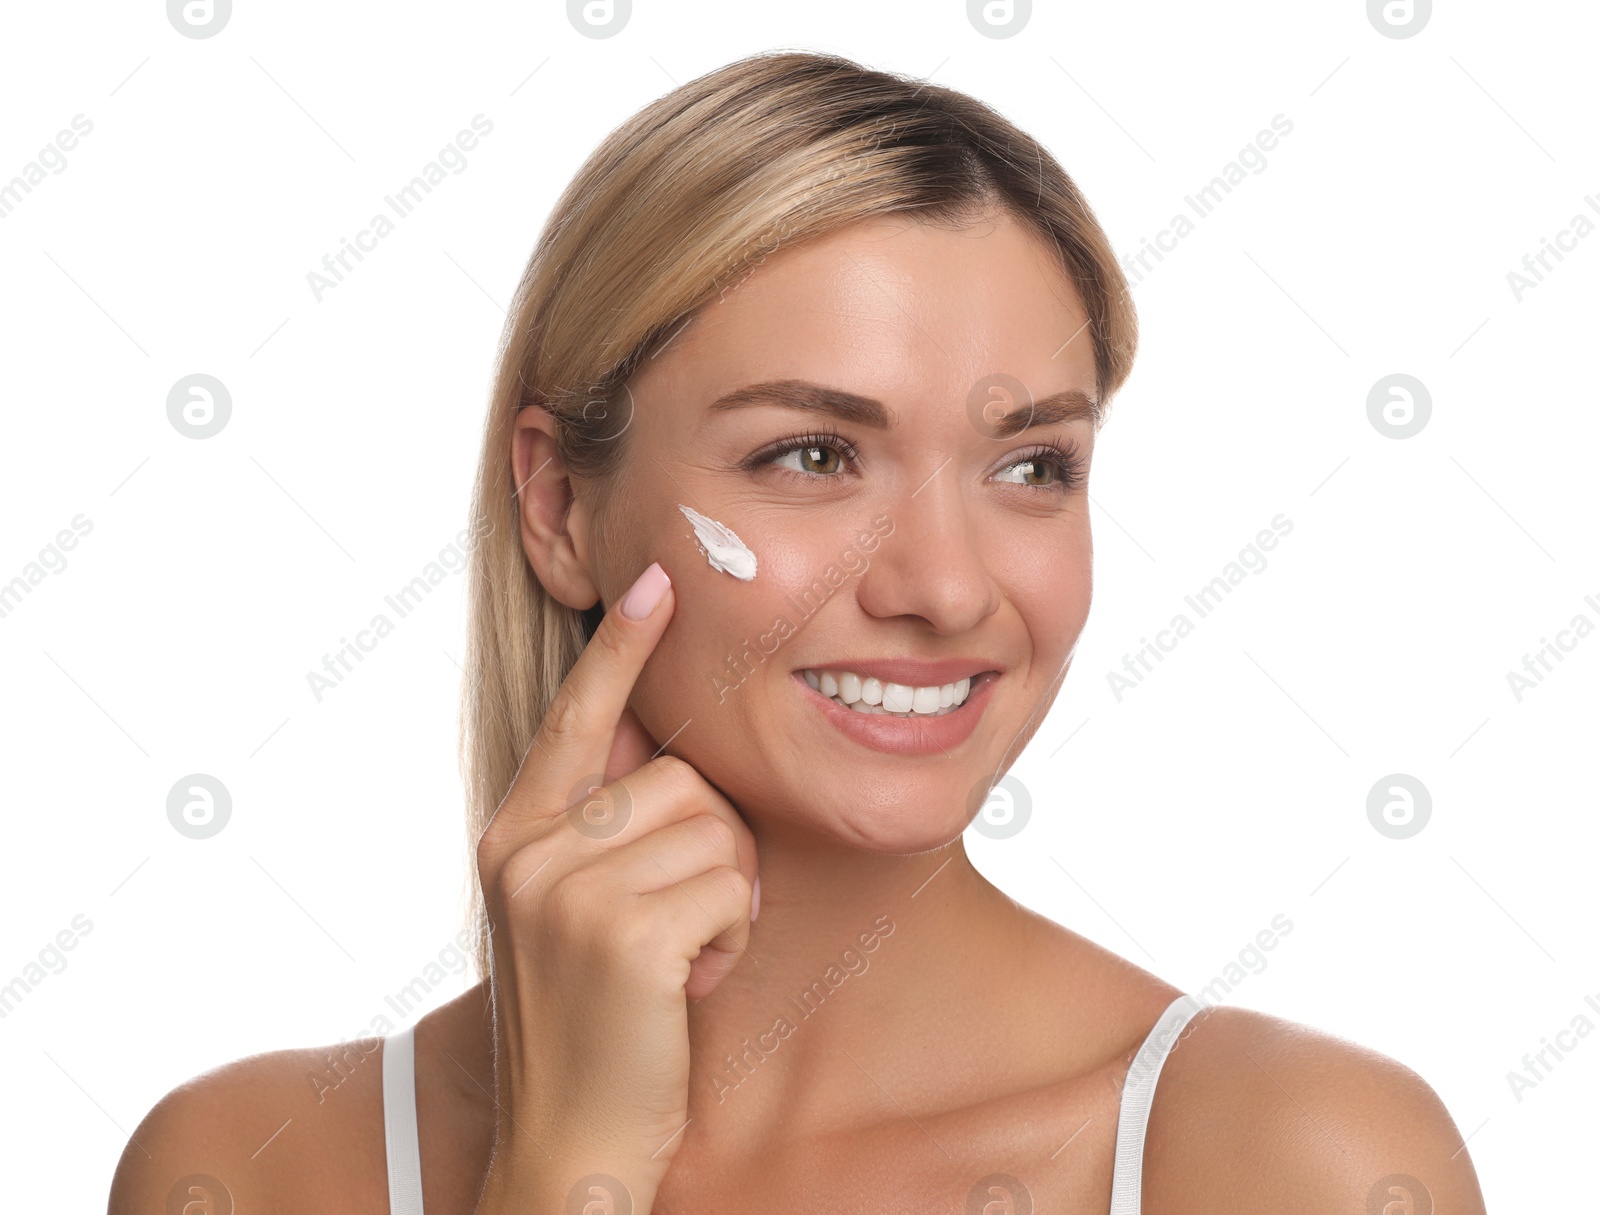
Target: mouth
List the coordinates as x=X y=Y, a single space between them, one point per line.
x=930 y=708
x=864 y=692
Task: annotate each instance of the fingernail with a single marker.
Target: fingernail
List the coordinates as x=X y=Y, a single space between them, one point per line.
x=755 y=899
x=646 y=593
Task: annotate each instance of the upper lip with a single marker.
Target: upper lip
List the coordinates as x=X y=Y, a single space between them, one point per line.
x=909 y=672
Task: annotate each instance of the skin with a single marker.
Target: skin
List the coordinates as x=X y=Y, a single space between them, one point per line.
x=981 y=1038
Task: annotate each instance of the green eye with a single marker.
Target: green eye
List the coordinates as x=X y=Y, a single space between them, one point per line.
x=810 y=452
x=1061 y=469
x=810 y=455
x=1047 y=467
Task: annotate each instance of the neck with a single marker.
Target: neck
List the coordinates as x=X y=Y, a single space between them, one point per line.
x=848 y=946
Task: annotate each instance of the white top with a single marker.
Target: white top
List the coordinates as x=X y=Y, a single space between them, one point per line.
x=1138 y=1090
x=400 y=1123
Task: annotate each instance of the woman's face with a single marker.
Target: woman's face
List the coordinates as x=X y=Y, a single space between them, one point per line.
x=921 y=536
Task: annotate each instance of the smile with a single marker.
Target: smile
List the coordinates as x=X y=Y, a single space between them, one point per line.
x=925 y=716
x=864 y=694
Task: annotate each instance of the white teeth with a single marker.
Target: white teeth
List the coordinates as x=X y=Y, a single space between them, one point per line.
x=849 y=687
x=867 y=695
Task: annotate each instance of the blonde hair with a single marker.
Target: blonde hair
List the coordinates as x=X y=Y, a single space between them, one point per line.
x=677 y=203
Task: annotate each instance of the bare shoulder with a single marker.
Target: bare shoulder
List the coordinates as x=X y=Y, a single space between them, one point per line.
x=286 y=1130
x=1253 y=1113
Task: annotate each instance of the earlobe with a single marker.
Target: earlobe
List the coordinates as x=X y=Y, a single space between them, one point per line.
x=553 y=524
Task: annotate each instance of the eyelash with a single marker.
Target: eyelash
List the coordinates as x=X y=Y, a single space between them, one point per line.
x=1068 y=460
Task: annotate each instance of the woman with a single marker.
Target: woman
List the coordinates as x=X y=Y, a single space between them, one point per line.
x=786 y=551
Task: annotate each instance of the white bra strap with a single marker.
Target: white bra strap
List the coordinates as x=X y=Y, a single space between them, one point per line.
x=400 y=1123
x=1138 y=1090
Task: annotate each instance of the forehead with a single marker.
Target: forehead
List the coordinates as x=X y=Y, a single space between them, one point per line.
x=892 y=308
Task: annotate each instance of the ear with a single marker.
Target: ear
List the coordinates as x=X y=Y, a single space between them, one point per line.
x=555 y=523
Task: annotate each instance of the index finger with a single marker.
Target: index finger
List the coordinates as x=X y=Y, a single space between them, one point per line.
x=574 y=740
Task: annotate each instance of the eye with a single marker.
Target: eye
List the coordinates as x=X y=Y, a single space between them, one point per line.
x=823 y=454
x=812 y=458
x=1060 y=469
x=811 y=454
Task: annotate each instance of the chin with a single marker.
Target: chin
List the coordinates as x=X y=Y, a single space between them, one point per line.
x=900 y=837
x=899 y=819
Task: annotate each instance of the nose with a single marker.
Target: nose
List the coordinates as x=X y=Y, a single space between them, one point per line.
x=931 y=564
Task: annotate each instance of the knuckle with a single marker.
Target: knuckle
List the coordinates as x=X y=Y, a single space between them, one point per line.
x=637 y=936
x=563 y=719
x=715 y=833
x=677 y=774
x=608 y=639
x=731 y=884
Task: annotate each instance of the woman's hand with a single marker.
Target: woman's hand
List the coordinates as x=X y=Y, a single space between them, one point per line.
x=612 y=899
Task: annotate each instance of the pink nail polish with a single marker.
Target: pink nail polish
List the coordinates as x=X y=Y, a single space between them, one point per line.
x=646 y=592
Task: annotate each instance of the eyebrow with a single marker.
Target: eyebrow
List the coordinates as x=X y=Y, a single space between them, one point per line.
x=1071 y=405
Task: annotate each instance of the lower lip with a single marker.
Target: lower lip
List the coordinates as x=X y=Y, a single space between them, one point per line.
x=907 y=735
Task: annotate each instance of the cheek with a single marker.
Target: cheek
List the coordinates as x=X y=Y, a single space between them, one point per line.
x=1051 y=588
x=719 y=614
x=727 y=635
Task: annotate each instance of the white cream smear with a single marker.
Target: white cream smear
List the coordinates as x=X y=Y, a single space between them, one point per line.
x=724 y=550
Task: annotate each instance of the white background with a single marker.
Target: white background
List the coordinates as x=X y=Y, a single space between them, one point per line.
x=1230 y=786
